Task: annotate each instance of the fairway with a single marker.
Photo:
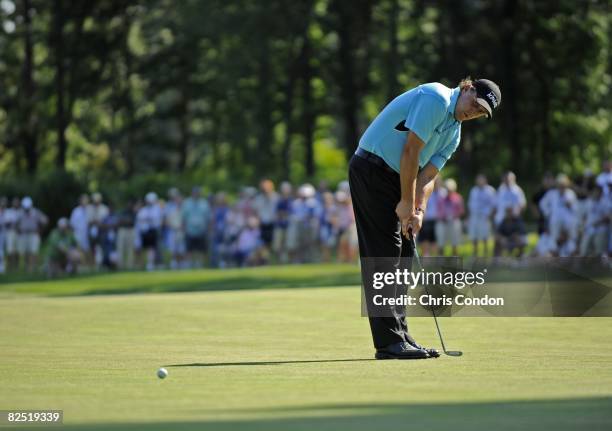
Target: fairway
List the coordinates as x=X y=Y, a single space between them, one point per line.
x=285 y=357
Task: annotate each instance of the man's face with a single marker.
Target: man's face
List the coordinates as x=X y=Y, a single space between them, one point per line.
x=286 y=189
x=266 y=186
x=467 y=107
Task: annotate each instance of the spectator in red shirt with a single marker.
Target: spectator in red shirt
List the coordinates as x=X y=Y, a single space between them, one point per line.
x=450 y=210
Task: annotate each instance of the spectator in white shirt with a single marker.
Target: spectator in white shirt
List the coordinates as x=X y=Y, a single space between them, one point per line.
x=248 y=243
x=11 y=215
x=597 y=225
x=79 y=221
x=545 y=247
x=565 y=244
x=558 y=206
x=30 y=221
x=148 y=224
x=510 y=199
x=509 y=195
x=481 y=205
x=265 y=206
x=98 y=212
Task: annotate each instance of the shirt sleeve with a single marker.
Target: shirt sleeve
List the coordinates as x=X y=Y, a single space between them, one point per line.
x=425 y=114
x=472 y=200
x=441 y=157
x=545 y=204
x=522 y=200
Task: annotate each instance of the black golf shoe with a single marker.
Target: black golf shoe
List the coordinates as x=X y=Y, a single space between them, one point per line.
x=433 y=353
x=401 y=350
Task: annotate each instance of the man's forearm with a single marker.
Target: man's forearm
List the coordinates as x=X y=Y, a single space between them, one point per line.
x=423 y=192
x=424 y=186
x=409 y=168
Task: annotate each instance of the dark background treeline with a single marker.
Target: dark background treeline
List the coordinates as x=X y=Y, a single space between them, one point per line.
x=125 y=96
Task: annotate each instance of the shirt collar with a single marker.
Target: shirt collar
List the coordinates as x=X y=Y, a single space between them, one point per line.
x=455 y=92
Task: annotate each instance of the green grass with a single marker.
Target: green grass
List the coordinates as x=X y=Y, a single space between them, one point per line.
x=265 y=277
x=286 y=357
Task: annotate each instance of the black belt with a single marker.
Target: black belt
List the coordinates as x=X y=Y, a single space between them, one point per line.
x=373 y=158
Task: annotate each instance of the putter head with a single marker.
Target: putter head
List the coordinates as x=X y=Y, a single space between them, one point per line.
x=453 y=352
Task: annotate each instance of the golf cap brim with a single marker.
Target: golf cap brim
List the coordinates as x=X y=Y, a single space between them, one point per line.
x=485 y=105
x=488 y=95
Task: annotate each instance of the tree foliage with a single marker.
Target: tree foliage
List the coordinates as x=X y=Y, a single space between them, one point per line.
x=223 y=93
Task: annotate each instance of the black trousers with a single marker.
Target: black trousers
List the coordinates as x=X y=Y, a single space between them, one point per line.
x=375 y=193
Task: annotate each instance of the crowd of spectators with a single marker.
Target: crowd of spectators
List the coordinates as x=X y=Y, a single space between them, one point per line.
x=573 y=217
x=259 y=227
x=303 y=224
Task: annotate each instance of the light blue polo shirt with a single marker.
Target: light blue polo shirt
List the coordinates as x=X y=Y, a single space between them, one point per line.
x=427 y=110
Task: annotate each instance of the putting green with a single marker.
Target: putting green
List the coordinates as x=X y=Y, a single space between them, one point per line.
x=290 y=358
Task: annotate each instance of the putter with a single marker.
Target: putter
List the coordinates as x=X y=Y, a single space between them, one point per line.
x=418 y=260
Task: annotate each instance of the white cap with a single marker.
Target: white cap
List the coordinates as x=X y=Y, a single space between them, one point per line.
x=151 y=198
x=341 y=196
x=307 y=190
x=451 y=185
x=344 y=186
x=563 y=180
x=27 y=202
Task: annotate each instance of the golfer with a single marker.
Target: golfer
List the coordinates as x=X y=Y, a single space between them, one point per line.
x=391 y=177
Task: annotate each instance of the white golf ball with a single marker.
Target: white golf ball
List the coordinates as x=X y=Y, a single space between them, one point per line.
x=162 y=373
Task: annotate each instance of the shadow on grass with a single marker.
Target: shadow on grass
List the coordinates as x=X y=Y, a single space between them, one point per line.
x=559 y=415
x=229 y=364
